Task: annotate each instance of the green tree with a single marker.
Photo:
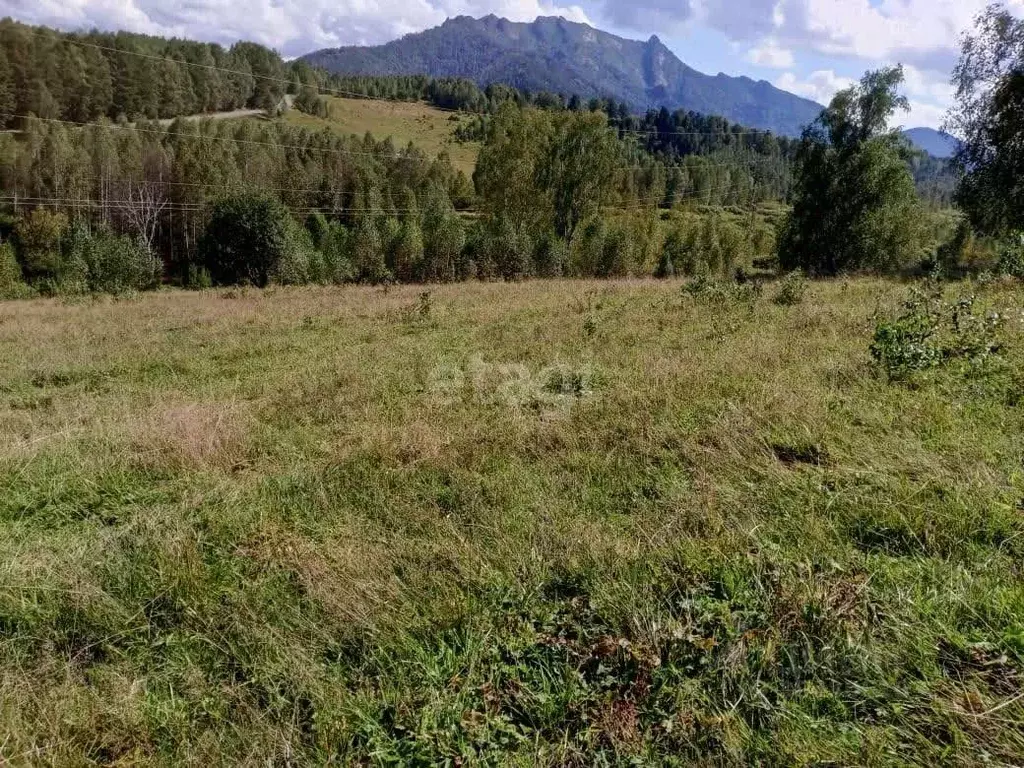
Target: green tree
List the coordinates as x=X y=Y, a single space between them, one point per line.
x=368 y=252
x=407 y=251
x=246 y=240
x=856 y=206
x=578 y=173
x=39 y=236
x=989 y=119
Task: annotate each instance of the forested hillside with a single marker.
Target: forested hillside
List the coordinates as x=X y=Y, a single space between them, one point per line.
x=82 y=77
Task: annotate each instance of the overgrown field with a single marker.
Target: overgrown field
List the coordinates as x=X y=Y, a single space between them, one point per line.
x=546 y=523
x=429 y=128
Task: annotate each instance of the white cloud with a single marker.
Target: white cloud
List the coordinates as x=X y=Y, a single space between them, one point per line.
x=819 y=86
x=771 y=55
x=924 y=33
x=292 y=26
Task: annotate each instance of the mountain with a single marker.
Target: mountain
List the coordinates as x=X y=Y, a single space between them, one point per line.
x=935 y=143
x=552 y=54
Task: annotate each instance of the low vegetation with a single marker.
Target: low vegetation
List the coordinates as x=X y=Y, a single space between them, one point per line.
x=766 y=509
x=547 y=523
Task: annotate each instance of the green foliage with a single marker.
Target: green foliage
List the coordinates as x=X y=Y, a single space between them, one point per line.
x=198 y=278
x=445 y=242
x=551 y=256
x=367 y=252
x=246 y=240
x=547 y=172
x=989 y=118
x=577 y=170
x=1011 y=256
x=587 y=251
x=300 y=263
x=112 y=263
x=791 y=289
x=39 y=235
x=618 y=254
x=11 y=284
x=931 y=331
x=856 y=207
x=310 y=102
x=407 y=252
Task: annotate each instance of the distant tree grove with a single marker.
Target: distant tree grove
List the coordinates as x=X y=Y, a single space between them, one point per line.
x=99 y=196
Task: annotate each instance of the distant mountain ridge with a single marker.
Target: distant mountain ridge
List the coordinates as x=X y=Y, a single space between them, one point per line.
x=935 y=143
x=553 y=54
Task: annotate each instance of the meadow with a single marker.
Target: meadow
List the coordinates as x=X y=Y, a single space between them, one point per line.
x=541 y=523
x=430 y=129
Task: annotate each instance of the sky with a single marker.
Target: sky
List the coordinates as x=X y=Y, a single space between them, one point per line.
x=809 y=47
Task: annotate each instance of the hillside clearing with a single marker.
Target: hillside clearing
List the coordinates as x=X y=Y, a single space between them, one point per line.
x=556 y=523
x=429 y=128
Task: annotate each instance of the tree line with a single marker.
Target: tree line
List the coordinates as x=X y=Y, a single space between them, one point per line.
x=84 y=77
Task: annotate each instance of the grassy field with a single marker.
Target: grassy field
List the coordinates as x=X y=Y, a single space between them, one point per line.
x=428 y=128
x=549 y=523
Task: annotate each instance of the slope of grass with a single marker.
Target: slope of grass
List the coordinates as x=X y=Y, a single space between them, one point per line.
x=554 y=523
x=428 y=128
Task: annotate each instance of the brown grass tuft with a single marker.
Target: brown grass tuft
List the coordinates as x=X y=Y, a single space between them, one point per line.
x=195 y=436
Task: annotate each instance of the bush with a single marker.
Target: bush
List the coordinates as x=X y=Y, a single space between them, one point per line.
x=931 y=331
x=109 y=263
x=39 y=235
x=245 y=241
x=791 y=289
x=1011 y=257
x=406 y=252
x=301 y=262
x=618 y=254
x=588 y=248
x=508 y=250
x=198 y=278
x=550 y=256
x=11 y=284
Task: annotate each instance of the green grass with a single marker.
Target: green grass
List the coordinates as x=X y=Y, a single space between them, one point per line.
x=430 y=129
x=555 y=523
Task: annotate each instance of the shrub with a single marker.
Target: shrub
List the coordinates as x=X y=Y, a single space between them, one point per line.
x=791 y=289
x=931 y=331
x=39 y=234
x=107 y=262
x=677 y=253
x=245 y=241
x=331 y=241
x=1011 y=257
x=710 y=291
x=550 y=256
x=508 y=249
x=198 y=278
x=588 y=248
x=11 y=284
x=618 y=254
x=301 y=262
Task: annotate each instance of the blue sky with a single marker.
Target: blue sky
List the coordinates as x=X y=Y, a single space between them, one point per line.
x=809 y=47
